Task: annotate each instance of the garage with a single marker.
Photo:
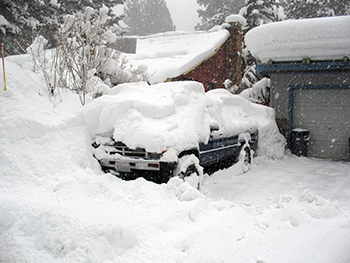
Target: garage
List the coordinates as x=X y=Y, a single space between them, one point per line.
x=308 y=63
x=325 y=112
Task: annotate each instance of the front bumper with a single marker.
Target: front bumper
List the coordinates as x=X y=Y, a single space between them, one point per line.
x=130 y=169
x=128 y=164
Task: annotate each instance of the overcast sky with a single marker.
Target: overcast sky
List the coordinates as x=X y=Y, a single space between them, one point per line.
x=183 y=13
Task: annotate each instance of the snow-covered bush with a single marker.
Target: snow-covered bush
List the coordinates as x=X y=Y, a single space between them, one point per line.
x=36 y=49
x=259 y=92
x=118 y=70
x=249 y=77
x=82 y=50
x=230 y=86
x=45 y=63
x=83 y=62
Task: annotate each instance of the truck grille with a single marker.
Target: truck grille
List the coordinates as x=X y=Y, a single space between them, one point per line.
x=134 y=153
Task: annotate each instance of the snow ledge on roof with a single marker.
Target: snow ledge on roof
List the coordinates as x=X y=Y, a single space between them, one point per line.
x=319 y=39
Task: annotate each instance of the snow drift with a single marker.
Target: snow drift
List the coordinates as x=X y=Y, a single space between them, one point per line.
x=57 y=206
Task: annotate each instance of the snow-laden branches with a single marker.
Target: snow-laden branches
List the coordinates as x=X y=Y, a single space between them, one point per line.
x=83 y=62
x=82 y=49
x=259 y=92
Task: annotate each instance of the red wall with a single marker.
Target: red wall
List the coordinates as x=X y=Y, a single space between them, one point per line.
x=211 y=70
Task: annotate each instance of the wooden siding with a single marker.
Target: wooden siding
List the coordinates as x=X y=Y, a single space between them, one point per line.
x=210 y=72
x=226 y=63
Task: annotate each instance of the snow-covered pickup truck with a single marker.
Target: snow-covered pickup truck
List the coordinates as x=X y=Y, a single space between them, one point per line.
x=155 y=166
x=170 y=129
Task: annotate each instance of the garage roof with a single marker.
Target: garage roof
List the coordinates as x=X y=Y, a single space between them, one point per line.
x=319 y=39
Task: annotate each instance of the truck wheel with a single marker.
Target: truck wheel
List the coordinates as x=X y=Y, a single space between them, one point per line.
x=245 y=158
x=192 y=169
x=189 y=170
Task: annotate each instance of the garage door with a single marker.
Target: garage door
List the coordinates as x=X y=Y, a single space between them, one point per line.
x=326 y=114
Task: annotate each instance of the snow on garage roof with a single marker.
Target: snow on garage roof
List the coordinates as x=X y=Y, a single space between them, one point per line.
x=168 y=55
x=326 y=38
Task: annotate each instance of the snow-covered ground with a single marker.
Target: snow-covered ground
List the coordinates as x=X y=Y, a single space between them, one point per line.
x=57 y=206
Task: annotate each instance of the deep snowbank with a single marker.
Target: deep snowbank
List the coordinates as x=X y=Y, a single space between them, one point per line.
x=57 y=206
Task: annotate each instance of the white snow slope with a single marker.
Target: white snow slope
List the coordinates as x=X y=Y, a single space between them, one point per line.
x=57 y=206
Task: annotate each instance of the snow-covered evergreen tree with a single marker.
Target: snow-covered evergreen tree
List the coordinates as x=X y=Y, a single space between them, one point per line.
x=214 y=12
x=71 y=7
x=258 y=12
x=316 y=8
x=22 y=21
x=146 y=17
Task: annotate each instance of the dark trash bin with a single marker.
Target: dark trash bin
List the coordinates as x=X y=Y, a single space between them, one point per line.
x=299 y=141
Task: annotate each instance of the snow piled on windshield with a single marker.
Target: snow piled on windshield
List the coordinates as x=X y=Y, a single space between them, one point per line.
x=179 y=115
x=325 y=38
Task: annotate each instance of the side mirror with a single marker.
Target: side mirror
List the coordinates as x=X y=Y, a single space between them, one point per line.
x=214 y=127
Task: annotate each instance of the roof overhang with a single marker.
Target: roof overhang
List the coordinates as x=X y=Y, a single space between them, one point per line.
x=302 y=67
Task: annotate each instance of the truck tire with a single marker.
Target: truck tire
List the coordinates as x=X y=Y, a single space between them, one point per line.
x=189 y=170
x=245 y=158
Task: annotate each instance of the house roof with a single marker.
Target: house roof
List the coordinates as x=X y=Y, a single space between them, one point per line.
x=320 y=39
x=171 y=54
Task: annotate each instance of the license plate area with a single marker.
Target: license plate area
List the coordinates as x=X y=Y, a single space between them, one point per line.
x=127 y=166
x=122 y=167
